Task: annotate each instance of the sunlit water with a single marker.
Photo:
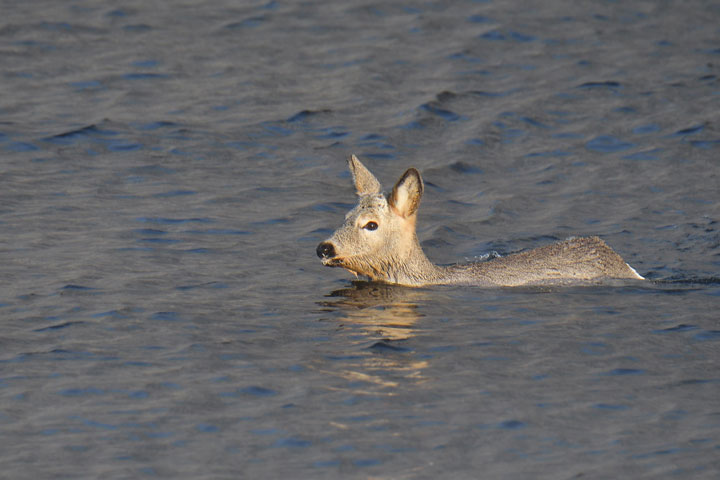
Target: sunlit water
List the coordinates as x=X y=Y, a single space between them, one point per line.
x=169 y=167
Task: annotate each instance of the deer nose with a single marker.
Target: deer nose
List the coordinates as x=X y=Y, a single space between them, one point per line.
x=325 y=250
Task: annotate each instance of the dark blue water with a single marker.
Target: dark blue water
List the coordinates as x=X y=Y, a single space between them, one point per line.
x=167 y=170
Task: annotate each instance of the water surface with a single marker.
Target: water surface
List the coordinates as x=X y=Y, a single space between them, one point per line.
x=168 y=169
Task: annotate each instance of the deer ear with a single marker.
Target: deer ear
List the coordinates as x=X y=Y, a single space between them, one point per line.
x=406 y=194
x=365 y=182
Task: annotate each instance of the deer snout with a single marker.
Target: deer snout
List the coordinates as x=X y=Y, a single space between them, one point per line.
x=325 y=250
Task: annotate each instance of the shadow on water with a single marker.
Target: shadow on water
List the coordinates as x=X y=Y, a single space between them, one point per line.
x=680 y=284
x=689 y=281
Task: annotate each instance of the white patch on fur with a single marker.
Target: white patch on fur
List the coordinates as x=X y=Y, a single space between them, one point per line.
x=640 y=277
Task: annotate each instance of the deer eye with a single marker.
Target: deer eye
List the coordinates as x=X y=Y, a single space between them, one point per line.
x=371 y=226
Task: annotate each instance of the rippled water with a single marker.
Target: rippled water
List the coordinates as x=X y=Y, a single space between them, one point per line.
x=168 y=169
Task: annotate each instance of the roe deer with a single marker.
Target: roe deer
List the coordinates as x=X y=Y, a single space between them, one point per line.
x=378 y=240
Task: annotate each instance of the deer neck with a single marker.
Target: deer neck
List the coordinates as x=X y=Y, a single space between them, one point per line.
x=413 y=267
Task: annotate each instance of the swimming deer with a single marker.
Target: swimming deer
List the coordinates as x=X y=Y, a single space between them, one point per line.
x=378 y=240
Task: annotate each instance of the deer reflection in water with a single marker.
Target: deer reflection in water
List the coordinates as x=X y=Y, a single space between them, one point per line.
x=380 y=319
